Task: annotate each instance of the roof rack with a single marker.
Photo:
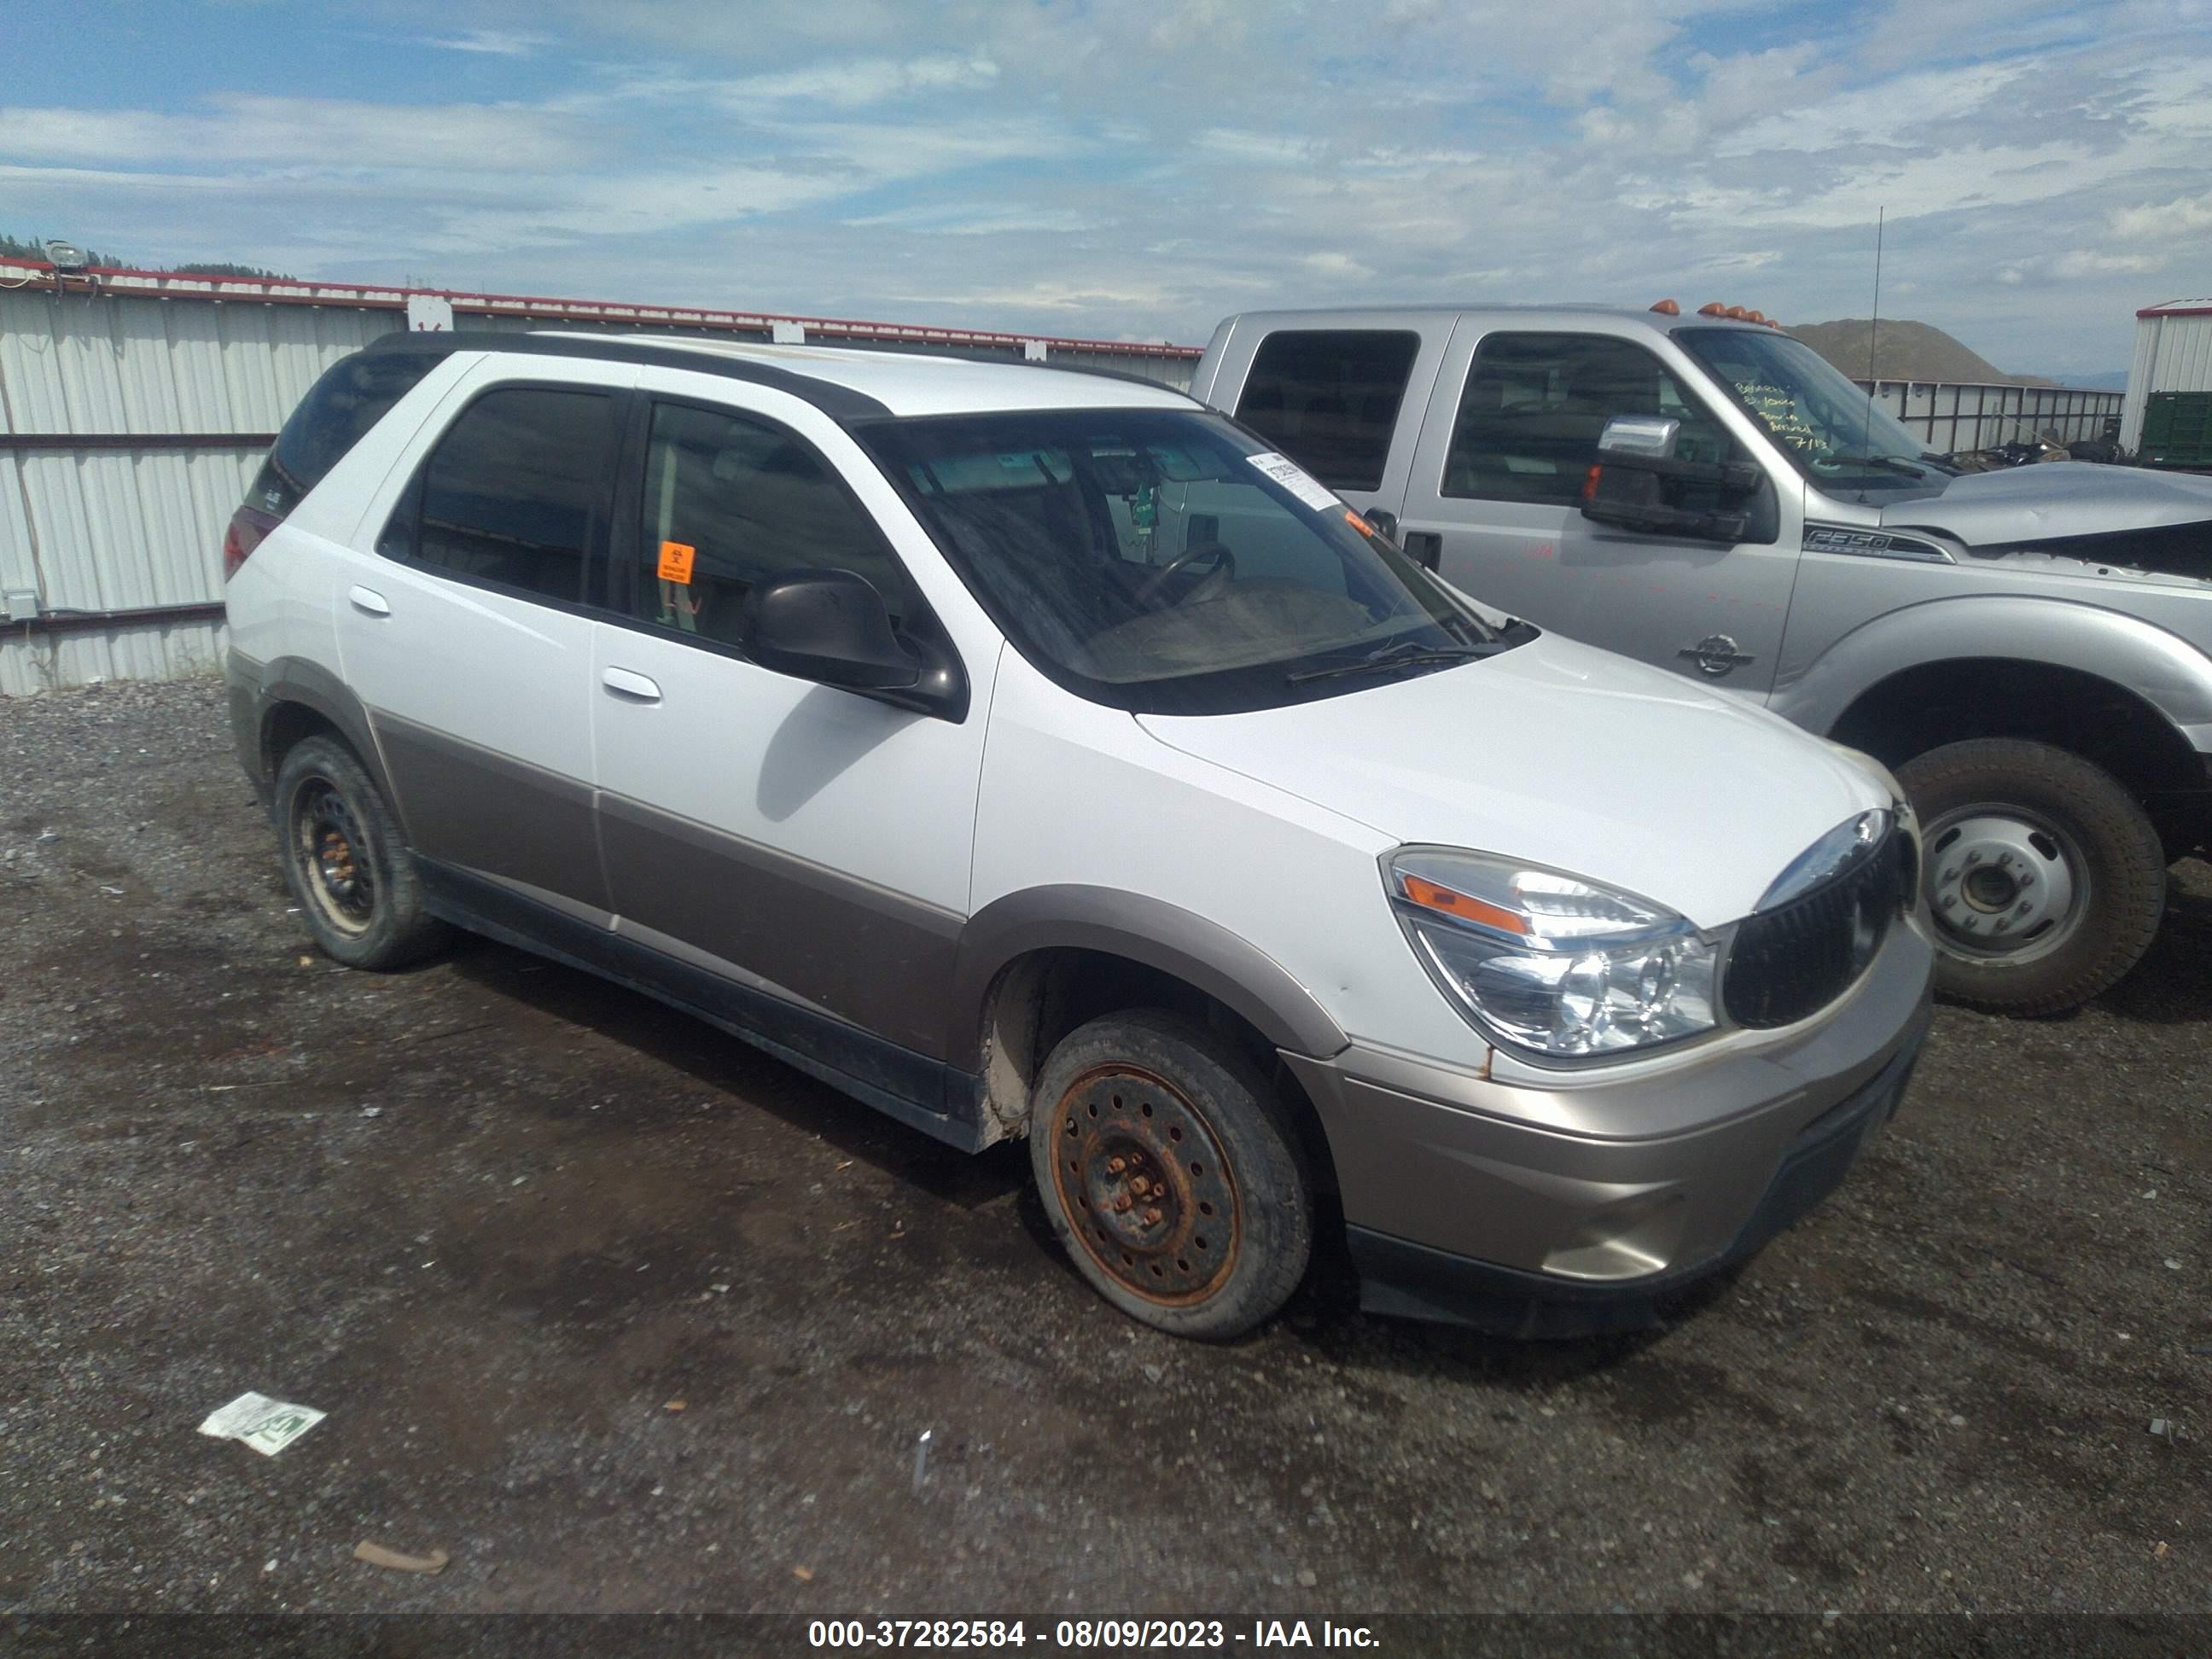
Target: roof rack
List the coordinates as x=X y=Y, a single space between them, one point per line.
x=839 y=403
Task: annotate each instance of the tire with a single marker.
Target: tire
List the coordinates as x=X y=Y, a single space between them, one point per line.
x=1203 y=1147
x=2046 y=878
x=346 y=862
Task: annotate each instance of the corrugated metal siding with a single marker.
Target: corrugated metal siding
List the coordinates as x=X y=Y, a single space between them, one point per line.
x=1956 y=415
x=2172 y=353
x=96 y=529
x=113 y=529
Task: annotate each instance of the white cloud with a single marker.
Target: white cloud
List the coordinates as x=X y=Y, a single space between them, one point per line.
x=2178 y=217
x=498 y=42
x=867 y=81
x=2078 y=263
x=274 y=131
x=1337 y=266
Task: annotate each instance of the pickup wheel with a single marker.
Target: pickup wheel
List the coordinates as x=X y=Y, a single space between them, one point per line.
x=346 y=861
x=1172 y=1174
x=2046 y=880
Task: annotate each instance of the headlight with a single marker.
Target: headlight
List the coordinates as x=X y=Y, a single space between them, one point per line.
x=1550 y=963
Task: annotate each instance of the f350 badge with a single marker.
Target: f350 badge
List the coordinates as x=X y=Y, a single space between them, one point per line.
x=1716 y=655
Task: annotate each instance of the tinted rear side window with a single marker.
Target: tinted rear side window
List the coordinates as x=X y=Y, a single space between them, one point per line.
x=513 y=492
x=1329 y=398
x=353 y=394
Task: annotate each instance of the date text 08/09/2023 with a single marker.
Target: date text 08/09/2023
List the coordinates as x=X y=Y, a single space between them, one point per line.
x=1085 y=1635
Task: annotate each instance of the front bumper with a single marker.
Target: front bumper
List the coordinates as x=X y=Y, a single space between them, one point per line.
x=1562 y=1210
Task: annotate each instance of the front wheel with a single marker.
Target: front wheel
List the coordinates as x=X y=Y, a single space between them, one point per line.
x=2046 y=878
x=1172 y=1175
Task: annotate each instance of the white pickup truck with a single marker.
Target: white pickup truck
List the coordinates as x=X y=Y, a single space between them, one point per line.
x=2025 y=648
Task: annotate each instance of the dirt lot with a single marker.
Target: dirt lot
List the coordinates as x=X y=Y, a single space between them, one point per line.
x=625 y=1316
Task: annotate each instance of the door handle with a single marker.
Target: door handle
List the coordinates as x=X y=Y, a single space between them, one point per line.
x=367 y=601
x=635 y=688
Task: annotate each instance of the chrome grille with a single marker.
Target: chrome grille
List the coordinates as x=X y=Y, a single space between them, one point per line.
x=1798 y=957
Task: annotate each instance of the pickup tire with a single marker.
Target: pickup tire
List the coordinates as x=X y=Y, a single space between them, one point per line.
x=1172 y=1174
x=346 y=862
x=2046 y=878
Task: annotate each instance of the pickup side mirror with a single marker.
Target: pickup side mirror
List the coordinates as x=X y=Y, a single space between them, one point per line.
x=827 y=625
x=1628 y=483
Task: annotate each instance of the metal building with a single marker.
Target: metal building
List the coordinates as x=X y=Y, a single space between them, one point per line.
x=2173 y=353
x=135 y=408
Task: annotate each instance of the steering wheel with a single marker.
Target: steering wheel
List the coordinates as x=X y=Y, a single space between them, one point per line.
x=1225 y=567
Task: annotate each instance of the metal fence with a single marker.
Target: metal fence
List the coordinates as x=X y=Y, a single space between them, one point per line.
x=135 y=408
x=1950 y=415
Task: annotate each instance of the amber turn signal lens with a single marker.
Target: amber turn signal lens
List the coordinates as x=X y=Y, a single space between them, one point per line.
x=1432 y=897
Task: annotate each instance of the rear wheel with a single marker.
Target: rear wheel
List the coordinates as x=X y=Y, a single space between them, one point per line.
x=1172 y=1175
x=346 y=862
x=2046 y=878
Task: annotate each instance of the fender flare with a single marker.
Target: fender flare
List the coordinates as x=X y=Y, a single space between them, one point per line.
x=1227 y=968
x=2160 y=667
x=297 y=680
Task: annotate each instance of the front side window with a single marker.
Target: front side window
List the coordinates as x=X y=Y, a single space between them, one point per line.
x=730 y=501
x=513 y=492
x=1534 y=404
x=1157 y=560
x=1329 y=398
x=1834 y=432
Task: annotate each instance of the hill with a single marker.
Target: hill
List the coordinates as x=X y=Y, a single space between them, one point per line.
x=1903 y=350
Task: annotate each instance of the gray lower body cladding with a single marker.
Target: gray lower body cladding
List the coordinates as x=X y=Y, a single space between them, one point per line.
x=1413 y=1281
x=1623 y=1189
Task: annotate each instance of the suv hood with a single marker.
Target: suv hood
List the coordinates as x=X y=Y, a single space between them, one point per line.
x=1564 y=756
x=2054 y=500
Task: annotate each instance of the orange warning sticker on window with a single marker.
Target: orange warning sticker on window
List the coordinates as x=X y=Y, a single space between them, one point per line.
x=676 y=561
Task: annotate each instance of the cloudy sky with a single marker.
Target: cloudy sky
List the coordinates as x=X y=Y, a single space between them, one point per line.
x=1130 y=170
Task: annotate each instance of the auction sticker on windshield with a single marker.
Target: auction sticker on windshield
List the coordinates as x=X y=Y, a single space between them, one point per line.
x=1295 y=478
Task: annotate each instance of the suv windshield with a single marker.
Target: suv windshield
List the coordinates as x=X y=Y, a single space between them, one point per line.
x=1164 y=561
x=1828 y=426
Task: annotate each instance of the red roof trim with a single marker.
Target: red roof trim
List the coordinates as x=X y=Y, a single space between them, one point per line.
x=193 y=285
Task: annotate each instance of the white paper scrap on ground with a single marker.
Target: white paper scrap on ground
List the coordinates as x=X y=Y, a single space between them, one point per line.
x=267 y=1425
x=1296 y=479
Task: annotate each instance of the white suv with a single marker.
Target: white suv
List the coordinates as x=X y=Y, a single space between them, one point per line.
x=1028 y=753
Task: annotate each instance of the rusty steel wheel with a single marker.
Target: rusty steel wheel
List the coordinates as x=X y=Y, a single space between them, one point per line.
x=1172 y=1174
x=346 y=861
x=1147 y=1185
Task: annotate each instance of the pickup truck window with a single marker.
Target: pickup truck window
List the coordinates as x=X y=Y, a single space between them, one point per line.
x=1330 y=397
x=1140 y=558
x=1828 y=427
x=1534 y=404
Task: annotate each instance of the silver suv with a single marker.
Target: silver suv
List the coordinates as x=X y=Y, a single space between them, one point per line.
x=2027 y=647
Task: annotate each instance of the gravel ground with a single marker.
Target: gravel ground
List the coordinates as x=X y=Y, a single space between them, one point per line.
x=625 y=1316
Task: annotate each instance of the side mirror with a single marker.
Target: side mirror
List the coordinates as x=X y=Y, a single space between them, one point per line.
x=1627 y=437
x=827 y=625
x=1627 y=484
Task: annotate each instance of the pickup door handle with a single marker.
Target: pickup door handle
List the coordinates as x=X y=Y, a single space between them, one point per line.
x=632 y=687
x=367 y=601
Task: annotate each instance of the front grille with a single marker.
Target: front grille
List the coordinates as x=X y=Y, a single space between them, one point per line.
x=1798 y=957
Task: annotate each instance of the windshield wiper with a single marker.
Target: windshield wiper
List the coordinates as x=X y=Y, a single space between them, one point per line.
x=1405 y=655
x=1887 y=463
